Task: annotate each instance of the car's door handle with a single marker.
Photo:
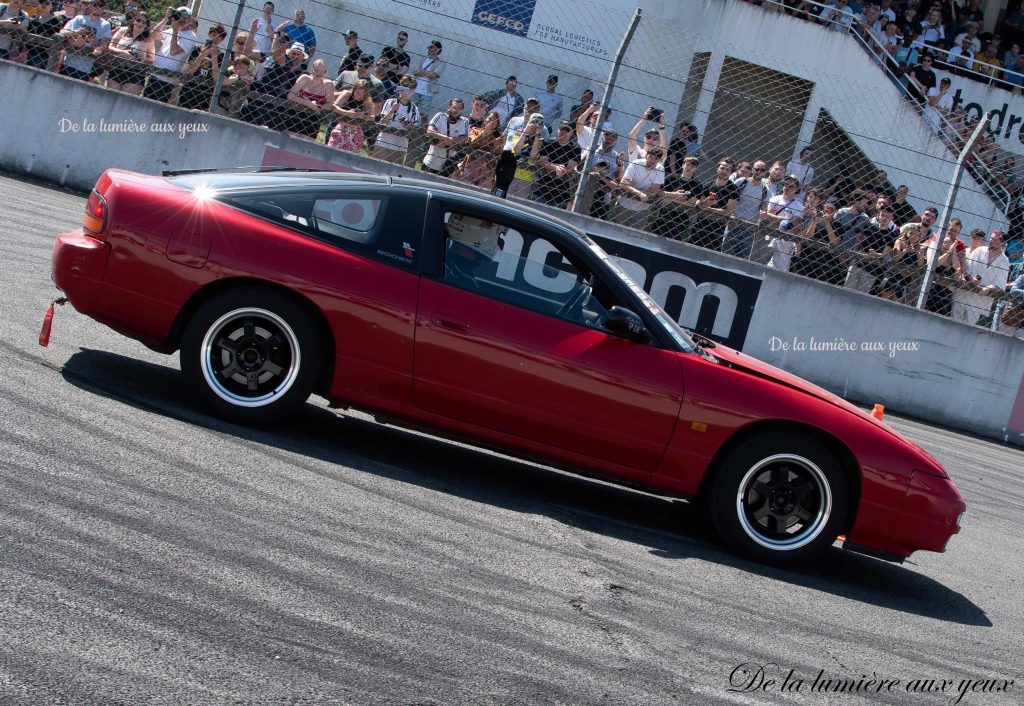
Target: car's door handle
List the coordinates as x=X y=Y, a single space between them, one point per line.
x=449 y=322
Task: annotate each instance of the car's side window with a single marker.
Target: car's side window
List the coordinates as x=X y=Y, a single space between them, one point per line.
x=518 y=268
x=349 y=218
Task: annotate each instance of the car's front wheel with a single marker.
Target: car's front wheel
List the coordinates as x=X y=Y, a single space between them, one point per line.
x=780 y=498
x=250 y=355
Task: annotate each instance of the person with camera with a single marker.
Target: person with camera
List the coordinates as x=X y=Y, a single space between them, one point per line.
x=397 y=117
x=447 y=132
x=513 y=171
x=174 y=41
x=654 y=137
x=92 y=18
x=202 y=68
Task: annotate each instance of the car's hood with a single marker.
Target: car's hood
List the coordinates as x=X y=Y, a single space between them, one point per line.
x=746 y=363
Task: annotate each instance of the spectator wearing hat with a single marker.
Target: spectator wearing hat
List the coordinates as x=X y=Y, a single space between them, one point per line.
x=363 y=71
x=351 y=58
x=654 y=137
x=427 y=75
x=298 y=31
x=506 y=102
x=551 y=103
x=961 y=57
x=986 y=277
x=398 y=117
x=968 y=33
x=397 y=57
x=802 y=168
x=175 y=40
x=517 y=135
x=279 y=73
x=261 y=29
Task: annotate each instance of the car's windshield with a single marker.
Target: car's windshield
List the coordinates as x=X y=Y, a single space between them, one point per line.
x=674 y=330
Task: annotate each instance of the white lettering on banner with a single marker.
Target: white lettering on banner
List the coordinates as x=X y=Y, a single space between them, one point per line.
x=978 y=98
x=492 y=18
x=728 y=301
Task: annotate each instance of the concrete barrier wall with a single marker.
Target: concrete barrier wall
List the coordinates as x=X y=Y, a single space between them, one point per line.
x=860 y=347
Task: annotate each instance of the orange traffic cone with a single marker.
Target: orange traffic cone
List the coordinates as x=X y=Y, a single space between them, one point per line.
x=878 y=412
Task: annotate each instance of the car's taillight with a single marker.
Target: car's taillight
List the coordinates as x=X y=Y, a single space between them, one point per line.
x=94 y=221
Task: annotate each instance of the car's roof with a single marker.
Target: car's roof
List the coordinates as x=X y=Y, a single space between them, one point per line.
x=298 y=179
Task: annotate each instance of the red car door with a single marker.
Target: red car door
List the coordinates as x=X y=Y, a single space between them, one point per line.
x=501 y=356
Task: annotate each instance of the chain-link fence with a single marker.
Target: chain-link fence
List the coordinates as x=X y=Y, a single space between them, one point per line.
x=840 y=177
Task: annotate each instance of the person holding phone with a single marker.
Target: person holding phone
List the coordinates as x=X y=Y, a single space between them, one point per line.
x=653 y=137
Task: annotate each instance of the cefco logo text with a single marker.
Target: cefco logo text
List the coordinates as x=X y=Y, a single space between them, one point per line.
x=507 y=23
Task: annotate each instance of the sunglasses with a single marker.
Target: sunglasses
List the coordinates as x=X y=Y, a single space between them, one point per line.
x=760 y=169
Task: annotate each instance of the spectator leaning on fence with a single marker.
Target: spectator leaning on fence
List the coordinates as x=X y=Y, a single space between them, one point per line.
x=364 y=72
x=93 y=19
x=753 y=201
x=1012 y=320
x=448 y=132
x=174 y=42
x=13 y=24
x=922 y=79
x=717 y=204
x=397 y=117
x=641 y=181
x=874 y=244
x=356 y=110
x=133 y=43
x=986 y=277
x=676 y=201
x=556 y=161
x=202 y=69
x=518 y=134
x=485 y=145
x=314 y=92
x=44 y=24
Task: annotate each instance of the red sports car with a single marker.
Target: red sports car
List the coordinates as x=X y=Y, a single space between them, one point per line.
x=439 y=308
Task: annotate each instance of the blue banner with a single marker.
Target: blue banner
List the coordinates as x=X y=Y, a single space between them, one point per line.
x=511 y=16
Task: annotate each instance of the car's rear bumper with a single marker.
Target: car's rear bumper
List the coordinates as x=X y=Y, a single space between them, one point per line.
x=77 y=268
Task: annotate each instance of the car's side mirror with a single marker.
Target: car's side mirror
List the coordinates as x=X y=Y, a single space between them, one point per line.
x=623 y=322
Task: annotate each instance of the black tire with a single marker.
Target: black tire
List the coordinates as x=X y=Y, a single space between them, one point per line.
x=250 y=356
x=780 y=498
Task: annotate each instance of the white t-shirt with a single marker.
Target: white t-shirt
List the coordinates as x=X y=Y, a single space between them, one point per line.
x=516 y=126
x=504 y=106
x=641 y=177
x=436 y=154
x=782 y=252
x=943 y=107
x=424 y=86
x=397 y=141
x=803 y=172
x=263 y=40
x=163 y=58
x=790 y=210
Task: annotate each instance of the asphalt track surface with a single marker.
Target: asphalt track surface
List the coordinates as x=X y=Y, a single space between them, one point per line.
x=153 y=554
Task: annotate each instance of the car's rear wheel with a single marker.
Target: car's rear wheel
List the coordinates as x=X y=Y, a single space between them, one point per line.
x=780 y=498
x=250 y=355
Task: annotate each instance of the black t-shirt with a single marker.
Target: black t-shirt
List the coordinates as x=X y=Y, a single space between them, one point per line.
x=396 y=56
x=723 y=193
x=672 y=219
x=903 y=212
x=926 y=77
x=877 y=238
x=548 y=185
x=277 y=80
x=708 y=229
x=205 y=71
x=350 y=60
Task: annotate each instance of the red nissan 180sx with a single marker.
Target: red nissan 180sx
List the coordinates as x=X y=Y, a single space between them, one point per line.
x=435 y=307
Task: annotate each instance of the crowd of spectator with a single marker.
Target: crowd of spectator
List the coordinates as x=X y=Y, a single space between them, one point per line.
x=392 y=107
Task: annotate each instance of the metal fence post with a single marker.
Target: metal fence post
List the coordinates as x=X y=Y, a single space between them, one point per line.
x=947 y=208
x=227 y=55
x=581 y=188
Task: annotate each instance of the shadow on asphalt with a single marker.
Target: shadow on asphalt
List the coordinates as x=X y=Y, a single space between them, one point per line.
x=671 y=529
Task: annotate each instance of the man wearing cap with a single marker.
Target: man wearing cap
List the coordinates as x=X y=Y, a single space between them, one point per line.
x=506 y=102
x=427 y=75
x=174 y=43
x=298 y=31
x=512 y=172
x=961 y=57
x=364 y=70
x=988 y=270
x=351 y=58
x=550 y=103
